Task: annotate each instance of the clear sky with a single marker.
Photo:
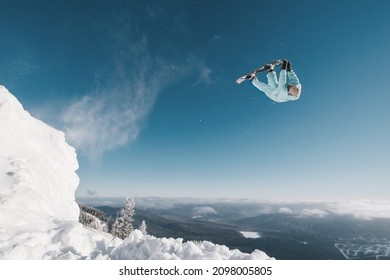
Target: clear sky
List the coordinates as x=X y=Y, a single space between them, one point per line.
x=145 y=91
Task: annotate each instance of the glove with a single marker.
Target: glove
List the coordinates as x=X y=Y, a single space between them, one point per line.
x=289 y=66
x=284 y=65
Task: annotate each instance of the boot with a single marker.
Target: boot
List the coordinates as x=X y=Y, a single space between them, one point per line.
x=250 y=77
x=269 y=67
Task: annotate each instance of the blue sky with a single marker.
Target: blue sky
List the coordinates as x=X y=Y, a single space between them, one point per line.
x=145 y=91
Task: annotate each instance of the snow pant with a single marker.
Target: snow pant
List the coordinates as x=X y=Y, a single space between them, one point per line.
x=269 y=88
x=272 y=82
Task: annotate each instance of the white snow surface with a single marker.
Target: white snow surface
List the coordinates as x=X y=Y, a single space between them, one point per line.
x=38 y=212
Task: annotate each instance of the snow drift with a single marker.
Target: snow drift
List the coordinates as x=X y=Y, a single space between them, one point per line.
x=38 y=212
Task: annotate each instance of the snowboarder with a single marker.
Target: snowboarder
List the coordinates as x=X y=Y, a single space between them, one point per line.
x=288 y=88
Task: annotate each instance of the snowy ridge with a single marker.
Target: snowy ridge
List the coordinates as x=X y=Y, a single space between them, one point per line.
x=38 y=212
x=138 y=246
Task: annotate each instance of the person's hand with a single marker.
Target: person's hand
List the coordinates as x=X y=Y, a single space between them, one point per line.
x=289 y=66
x=284 y=65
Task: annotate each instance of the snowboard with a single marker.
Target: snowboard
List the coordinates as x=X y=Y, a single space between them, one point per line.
x=257 y=70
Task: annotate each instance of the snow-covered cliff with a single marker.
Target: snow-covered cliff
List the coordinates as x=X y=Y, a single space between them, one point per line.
x=38 y=212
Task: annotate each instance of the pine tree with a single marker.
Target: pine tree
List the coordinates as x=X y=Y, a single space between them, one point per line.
x=123 y=225
x=92 y=217
x=143 y=228
x=110 y=223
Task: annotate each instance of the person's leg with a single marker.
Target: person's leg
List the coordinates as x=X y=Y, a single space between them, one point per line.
x=272 y=79
x=268 y=90
x=260 y=85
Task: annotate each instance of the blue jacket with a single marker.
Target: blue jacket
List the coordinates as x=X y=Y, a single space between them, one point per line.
x=278 y=90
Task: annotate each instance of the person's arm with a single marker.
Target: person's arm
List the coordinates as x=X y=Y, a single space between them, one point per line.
x=282 y=78
x=293 y=78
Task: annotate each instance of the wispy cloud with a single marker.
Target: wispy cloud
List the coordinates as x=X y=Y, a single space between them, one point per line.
x=91 y=192
x=204 y=72
x=204 y=210
x=110 y=117
x=126 y=88
x=313 y=212
x=285 y=210
x=113 y=114
x=361 y=209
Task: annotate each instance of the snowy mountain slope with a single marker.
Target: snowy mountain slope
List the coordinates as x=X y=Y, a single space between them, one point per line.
x=39 y=166
x=38 y=212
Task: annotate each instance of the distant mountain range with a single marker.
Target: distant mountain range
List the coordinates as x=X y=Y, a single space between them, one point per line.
x=282 y=236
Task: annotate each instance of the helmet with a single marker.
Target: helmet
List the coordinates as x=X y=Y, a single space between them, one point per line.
x=295 y=90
